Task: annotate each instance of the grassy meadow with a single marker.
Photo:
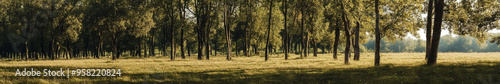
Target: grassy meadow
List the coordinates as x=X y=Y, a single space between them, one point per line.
x=395 y=68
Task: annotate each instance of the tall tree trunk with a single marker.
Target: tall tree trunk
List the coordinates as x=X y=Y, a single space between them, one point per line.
x=336 y=42
x=248 y=45
x=172 y=30
x=152 y=48
x=227 y=29
x=286 y=32
x=200 y=42
x=182 y=44
x=207 y=41
x=52 y=48
x=436 y=32
x=165 y=44
x=377 y=35
x=139 y=50
x=247 y=25
x=356 y=41
x=302 y=33
x=346 y=28
x=183 y=13
x=172 y=42
x=348 y=41
x=269 y=30
x=315 y=45
x=428 y=34
x=245 y=42
x=306 y=52
x=115 y=51
x=145 y=45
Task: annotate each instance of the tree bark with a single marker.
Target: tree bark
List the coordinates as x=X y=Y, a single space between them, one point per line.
x=182 y=44
x=139 y=50
x=436 y=32
x=152 y=48
x=145 y=45
x=377 y=35
x=315 y=45
x=183 y=12
x=246 y=43
x=115 y=51
x=172 y=30
x=336 y=42
x=302 y=33
x=200 y=42
x=269 y=30
x=207 y=42
x=348 y=41
x=286 y=31
x=356 y=42
x=429 y=29
x=227 y=30
x=100 y=46
x=306 y=44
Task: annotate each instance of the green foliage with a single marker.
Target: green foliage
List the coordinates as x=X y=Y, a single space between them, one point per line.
x=141 y=21
x=400 y=17
x=471 y=17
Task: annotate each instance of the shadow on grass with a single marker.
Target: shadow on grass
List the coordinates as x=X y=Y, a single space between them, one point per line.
x=454 y=73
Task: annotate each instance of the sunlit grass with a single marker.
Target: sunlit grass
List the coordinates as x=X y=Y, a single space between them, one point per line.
x=405 y=67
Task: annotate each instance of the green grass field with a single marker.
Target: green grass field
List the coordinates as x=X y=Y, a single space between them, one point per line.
x=395 y=68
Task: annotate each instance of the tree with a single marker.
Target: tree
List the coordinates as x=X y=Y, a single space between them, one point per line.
x=428 y=29
x=473 y=18
x=40 y=20
x=377 y=35
x=141 y=22
x=269 y=29
x=315 y=24
x=347 y=35
x=227 y=26
x=436 y=33
x=172 y=28
x=335 y=23
x=285 y=4
x=397 y=23
x=113 y=20
x=204 y=19
x=183 y=5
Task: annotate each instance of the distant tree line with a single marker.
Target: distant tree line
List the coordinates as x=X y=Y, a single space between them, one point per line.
x=447 y=44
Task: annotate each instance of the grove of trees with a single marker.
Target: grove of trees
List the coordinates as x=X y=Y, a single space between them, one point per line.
x=66 y=29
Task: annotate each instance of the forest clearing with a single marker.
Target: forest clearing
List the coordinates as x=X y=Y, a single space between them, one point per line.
x=395 y=68
x=249 y=41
